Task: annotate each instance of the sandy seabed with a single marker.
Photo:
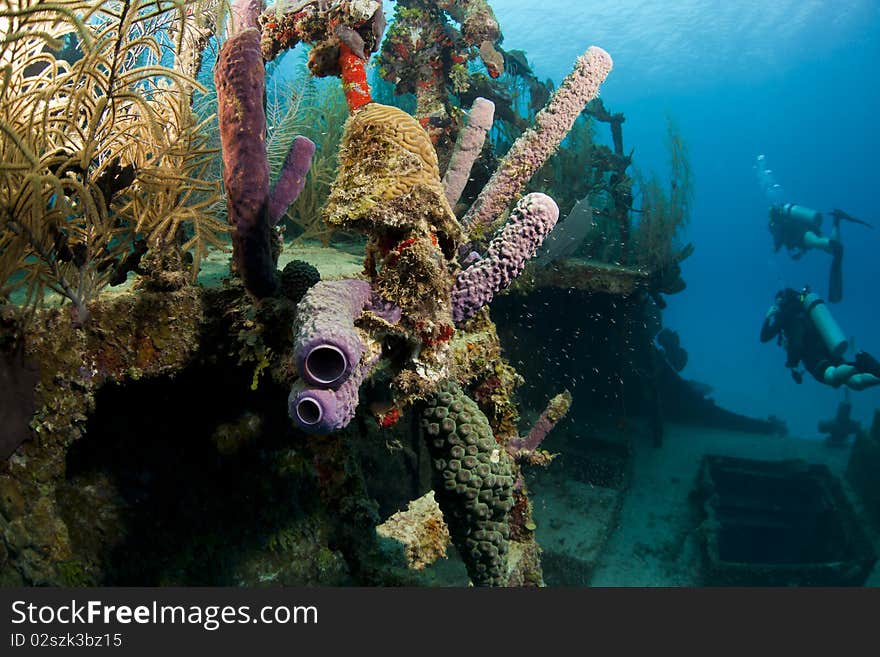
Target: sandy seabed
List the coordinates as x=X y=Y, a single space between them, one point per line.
x=646 y=534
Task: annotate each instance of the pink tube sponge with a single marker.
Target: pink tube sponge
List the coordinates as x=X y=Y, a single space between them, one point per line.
x=467 y=148
x=539 y=142
x=530 y=222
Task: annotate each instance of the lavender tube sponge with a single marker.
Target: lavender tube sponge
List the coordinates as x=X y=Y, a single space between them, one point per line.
x=241 y=80
x=518 y=241
x=292 y=178
x=320 y=411
x=555 y=411
x=327 y=346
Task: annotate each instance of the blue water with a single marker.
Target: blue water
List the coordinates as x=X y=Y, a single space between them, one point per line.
x=794 y=80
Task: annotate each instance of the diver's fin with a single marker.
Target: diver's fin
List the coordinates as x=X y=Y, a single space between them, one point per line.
x=865 y=362
x=835 y=278
x=840 y=214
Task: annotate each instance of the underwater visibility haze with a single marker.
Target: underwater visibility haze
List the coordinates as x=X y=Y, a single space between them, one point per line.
x=439 y=293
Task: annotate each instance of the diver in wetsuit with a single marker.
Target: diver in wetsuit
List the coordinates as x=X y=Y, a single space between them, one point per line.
x=804 y=326
x=799 y=229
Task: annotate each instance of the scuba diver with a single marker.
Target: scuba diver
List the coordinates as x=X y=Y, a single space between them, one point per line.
x=799 y=229
x=803 y=325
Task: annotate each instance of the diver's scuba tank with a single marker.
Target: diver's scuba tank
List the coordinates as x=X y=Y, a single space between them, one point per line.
x=828 y=328
x=797 y=214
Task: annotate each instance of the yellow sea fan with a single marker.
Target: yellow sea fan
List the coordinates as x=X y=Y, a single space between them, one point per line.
x=98 y=143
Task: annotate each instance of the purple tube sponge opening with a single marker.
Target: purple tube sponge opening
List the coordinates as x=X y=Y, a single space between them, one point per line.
x=530 y=222
x=327 y=346
x=292 y=178
x=318 y=410
x=307 y=406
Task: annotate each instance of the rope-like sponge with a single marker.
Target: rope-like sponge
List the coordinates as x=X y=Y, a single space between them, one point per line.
x=472 y=481
x=539 y=142
x=530 y=222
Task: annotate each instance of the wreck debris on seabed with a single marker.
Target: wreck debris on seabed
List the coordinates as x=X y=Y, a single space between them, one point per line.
x=394 y=376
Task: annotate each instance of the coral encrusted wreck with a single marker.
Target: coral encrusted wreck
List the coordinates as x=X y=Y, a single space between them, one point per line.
x=389 y=187
x=103 y=171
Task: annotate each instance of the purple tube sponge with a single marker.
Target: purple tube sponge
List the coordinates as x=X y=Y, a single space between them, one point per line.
x=327 y=346
x=518 y=241
x=386 y=310
x=318 y=410
x=241 y=79
x=292 y=178
x=539 y=142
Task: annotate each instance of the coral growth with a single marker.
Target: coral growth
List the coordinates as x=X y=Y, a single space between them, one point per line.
x=297 y=278
x=425 y=54
x=420 y=529
x=388 y=186
x=325 y=26
x=473 y=482
x=385 y=156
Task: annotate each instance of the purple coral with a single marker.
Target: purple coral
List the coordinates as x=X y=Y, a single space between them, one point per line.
x=530 y=222
x=292 y=178
x=536 y=144
x=241 y=79
x=320 y=411
x=467 y=148
x=327 y=345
